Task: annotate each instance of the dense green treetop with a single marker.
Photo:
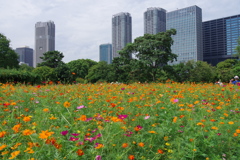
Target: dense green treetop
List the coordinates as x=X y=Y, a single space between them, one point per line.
x=152 y=50
x=8 y=57
x=52 y=59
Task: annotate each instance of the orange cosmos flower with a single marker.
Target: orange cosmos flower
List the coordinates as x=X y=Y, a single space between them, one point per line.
x=5 y=152
x=214 y=128
x=45 y=134
x=3 y=146
x=131 y=157
x=2 y=134
x=124 y=145
x=16 y=145
x=16 y=128
x=141 y=144
x=14 y=154
x=29 y=150
x=151 y=132
x=27 y=119
x=27 y=132
x=80 y=152
x=235 y=134
x=175 y=119
x=160 y=151
x=231 y=122
x=237 y=130
x=45 y=110
x=66 y=104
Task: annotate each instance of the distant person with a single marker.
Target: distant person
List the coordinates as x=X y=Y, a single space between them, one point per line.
x=235 y=80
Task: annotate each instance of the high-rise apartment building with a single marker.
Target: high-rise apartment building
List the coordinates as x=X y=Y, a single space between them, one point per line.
x=154 y=20
x=44 y=39
x=121 y=32
x=25 y=55
x=188 y=40
x=220 y=38
x=105 y=53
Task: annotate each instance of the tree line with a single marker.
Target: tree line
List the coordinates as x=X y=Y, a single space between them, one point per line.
x=151 y=62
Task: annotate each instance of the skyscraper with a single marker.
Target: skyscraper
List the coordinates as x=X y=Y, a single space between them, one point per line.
x=188 y=40
x=25 y=55
x=105 y=51
x=121 y=32
x=154 y=20
x=44 y=39
x=220 y=38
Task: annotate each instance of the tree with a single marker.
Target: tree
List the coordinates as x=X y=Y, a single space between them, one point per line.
x=225 y=69
x=8 y=57
x=152 y=50
x=51 y=59
x=79 y=68
x=100 y=72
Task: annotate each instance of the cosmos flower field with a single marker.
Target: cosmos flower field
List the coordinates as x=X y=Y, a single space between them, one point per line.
x=155 y=121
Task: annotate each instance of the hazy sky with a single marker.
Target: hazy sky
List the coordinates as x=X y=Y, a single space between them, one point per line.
x=82 y=25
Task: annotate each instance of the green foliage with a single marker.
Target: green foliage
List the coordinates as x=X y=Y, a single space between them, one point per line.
x=63 y=74
x=44 y=72
x=202 y=72
x=8 y=57
x=25 y=67
x=80 y=67
x=51 y=59
x=152 y=50
x=100 y=72
x=18 y=76
x=225 y=69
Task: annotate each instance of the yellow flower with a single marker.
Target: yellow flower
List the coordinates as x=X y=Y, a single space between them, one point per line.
x=194 y=150
x=14 y=154
x=167 y=144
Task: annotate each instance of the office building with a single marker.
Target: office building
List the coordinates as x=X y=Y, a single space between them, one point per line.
x=220 y=38
x=105 y=53
x=44 y=39
x=188 y=40
x=154 y=20
x=25 y=55
x=121 y=32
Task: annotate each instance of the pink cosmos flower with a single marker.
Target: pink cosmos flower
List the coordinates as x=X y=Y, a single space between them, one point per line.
x=98 y=157
x=122 y=116
x=73 y=139
x=175 y=100
x=146 y=117
x=75 y=134
x=64 y=133
x=82 y=106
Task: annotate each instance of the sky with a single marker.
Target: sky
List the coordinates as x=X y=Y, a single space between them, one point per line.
x=83 y=25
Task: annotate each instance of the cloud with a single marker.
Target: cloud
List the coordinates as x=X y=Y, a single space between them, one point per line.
x=81 y=26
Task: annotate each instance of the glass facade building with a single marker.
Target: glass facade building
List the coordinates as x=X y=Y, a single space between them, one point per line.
x=220 y=38
x=188 y=40
x=25 y=55
x=44 y=39
x=121 y=32
x=154 y=20
x=105 y=53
